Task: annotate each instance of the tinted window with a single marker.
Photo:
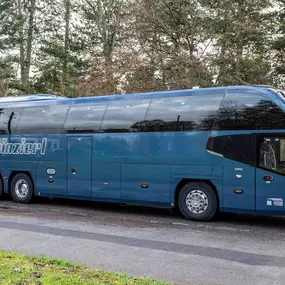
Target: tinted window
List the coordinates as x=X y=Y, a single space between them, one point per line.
x=272 y=154
x=249 y=112
x=125 y=116
x=182 y=113
x=8 y=120
x=84 y=118
x=235 y=147
x=42 y=119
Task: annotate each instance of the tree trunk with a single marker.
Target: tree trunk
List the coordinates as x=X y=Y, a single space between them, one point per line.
x=30 y=37
x=67 y=4
x=21 y=41
x=221 y=80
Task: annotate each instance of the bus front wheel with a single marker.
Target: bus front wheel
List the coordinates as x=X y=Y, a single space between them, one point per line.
x=197 y=201
x=22 y=188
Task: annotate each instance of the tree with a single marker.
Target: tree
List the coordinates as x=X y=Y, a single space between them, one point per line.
x=18 y=28
x=22 y=25
x=67 y=19
x=97 y=47
x=60 y=60
x=102 y=30
x=242 y=31
x=170 y=35
x=278 y=46
x=7 y=75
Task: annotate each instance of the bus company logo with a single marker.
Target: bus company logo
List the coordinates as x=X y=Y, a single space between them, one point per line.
x=23 y=147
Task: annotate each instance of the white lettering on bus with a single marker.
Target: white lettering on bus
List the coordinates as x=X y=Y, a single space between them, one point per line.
x=23 y=147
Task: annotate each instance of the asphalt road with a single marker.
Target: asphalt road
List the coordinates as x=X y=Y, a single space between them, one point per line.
x=235 y=249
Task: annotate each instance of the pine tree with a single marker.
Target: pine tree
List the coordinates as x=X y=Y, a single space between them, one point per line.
x=17 y=33
x=62 y=49
x=242 y=31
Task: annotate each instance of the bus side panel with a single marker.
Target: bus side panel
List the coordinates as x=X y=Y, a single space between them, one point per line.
x=106 y=180
x=146 y=183
x=54 y=158
x=29 y=166
x=51 y=184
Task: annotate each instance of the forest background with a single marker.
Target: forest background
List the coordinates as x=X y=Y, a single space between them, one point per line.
x=97 y=47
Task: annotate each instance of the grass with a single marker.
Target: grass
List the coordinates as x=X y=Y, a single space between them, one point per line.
x=20 y=269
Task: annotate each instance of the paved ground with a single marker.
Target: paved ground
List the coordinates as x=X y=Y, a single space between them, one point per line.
x=235 y=249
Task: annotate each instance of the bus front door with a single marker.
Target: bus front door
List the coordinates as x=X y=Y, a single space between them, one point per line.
x=79 y=170
x=270 y=174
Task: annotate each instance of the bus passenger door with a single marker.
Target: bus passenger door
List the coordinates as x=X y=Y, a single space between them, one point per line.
x=270 y=174
x=79 y=166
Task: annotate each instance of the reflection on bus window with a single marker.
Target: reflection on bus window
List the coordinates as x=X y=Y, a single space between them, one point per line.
x=272 y=154
x=268 y=157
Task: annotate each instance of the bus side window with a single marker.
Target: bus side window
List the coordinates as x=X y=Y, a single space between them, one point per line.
x=125 y=116
x=245 y=111
x=240 y=148
x=9 y=119
x=178 y=114
x=272 y=154
x=267 y=156
x=84 y=118
x=48 y=119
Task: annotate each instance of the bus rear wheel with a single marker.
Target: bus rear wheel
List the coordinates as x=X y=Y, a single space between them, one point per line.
x=197 y=201
x=22 y=188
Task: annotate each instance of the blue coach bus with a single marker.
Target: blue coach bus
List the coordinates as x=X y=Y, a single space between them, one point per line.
x=202 y=150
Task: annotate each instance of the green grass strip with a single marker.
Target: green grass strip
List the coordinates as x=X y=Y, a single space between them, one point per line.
x=25 y=270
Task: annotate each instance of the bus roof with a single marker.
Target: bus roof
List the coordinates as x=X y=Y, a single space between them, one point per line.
x=171 y=93
x=146 y=95
x=32 y=97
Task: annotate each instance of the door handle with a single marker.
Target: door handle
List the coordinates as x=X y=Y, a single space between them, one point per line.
x=268 y=178
x=74 y=170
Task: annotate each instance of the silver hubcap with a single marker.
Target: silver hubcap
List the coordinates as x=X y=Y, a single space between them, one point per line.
x=197 y=201
x=22 y=188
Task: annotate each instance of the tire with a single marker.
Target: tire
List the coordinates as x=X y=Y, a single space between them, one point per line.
x=22 y=188
x=198 y=201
